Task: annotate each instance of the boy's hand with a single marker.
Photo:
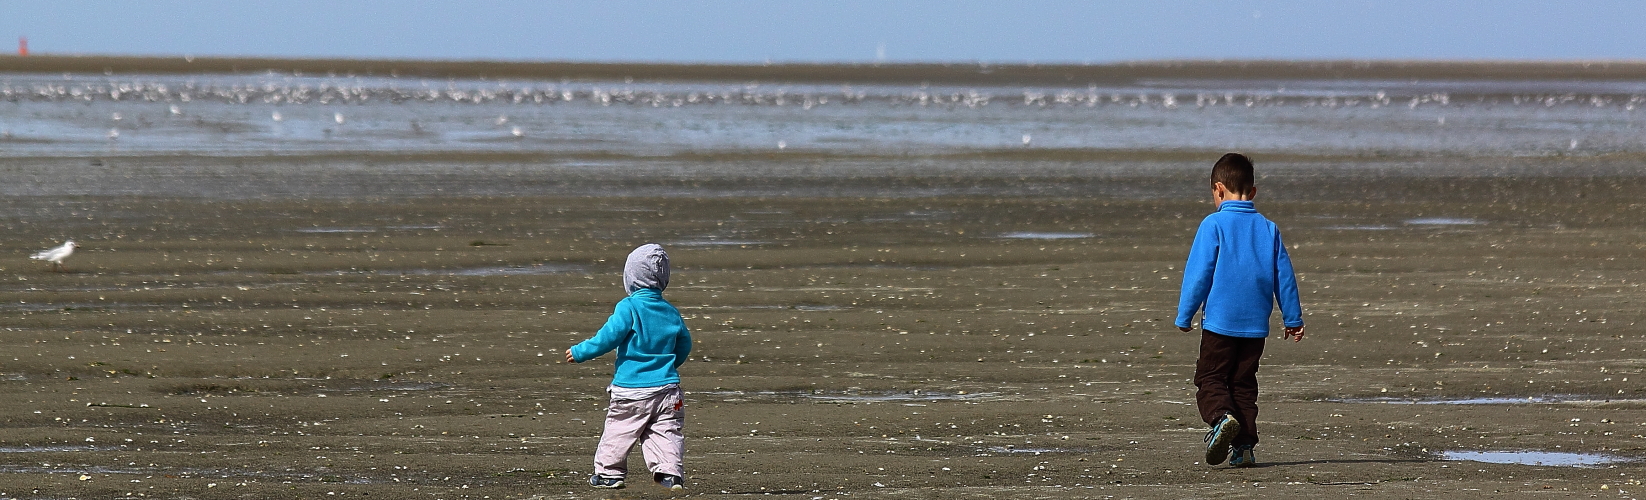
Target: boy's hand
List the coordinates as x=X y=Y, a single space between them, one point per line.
x=1295 y=334
x=569 y=358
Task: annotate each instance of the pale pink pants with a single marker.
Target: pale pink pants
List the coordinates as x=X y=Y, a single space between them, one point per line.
x=656 y=423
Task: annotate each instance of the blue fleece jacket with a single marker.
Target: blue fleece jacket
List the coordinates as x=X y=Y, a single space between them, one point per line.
x=650 y=338
x=1238 y=269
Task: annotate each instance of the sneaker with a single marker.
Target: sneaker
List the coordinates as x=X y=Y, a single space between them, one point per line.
x=1242 y=456
x=670 y=482
x=604 y=482
x=1219 y=438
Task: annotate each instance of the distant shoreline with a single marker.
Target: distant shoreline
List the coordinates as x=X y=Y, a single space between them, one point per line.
x=846 y=73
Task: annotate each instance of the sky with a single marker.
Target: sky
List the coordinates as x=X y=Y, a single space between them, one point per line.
x=758 y=31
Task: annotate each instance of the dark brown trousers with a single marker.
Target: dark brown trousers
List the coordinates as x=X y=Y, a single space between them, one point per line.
x=1227 y=378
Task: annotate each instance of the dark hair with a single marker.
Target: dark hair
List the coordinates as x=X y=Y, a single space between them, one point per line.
x=1234 y=170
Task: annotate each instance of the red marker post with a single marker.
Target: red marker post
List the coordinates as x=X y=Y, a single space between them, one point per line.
x=22 y=46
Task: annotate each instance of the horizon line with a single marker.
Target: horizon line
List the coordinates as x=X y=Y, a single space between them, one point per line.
x=847 y=71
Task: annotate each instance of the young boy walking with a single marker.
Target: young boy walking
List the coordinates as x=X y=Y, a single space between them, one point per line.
x=1237 y=269
x=646 y=403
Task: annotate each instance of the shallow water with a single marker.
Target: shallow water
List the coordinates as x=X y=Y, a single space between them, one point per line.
x=283 y=114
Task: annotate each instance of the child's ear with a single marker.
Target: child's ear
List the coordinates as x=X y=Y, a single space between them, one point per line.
x=1251 y=193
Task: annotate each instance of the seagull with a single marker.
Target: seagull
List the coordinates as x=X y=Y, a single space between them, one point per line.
x=56 y=255
x=338 y=117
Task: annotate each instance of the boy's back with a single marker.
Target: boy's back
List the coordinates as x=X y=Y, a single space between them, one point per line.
x=1237 y=269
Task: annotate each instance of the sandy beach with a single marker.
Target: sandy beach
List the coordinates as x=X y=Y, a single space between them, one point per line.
x=364 y=334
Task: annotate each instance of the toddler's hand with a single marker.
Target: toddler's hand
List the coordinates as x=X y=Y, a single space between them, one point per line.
x=569 y=358
x=1295 y=334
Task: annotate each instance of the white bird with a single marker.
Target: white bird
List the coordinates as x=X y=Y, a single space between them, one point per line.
x=1027 y=139
x=518 y=132
x=338 y=117
x=277 y=116
x=176 y=111
x=56 y=255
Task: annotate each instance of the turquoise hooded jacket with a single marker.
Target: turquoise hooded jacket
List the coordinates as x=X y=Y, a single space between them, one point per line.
x=647 y=332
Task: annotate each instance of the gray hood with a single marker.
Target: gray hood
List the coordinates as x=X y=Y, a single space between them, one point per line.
x=647 y=267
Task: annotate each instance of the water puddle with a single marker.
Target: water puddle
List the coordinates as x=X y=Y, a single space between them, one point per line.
x=336 y=230
x=1033 y=235
x=73 y=306
x=880 y=398
x=535 y=270
x=716 y=243
x=1035 y=451
x=532 y=270
x=819 y=308
x=1556 y=399
x=49 y=449
x=358 y=230
x=1443 y=221
x=400 y=386
x=180 y=472
x=913 y=397
x=66 y=469
x=785 y=308
x=1545 y=458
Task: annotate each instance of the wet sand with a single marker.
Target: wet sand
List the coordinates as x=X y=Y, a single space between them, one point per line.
x=878 y=336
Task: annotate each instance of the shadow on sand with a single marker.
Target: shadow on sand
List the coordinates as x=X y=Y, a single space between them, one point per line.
x=1344 y=461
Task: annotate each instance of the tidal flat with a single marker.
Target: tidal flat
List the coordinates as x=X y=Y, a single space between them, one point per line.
x=282 y=332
